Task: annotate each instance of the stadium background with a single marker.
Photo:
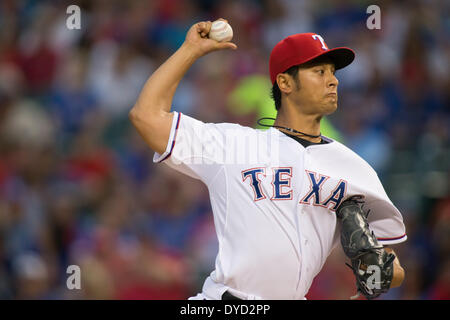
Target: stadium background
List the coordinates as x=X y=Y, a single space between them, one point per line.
x=78 y=186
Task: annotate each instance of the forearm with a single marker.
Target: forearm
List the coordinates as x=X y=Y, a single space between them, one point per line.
x=157 y=93
x=399 y=273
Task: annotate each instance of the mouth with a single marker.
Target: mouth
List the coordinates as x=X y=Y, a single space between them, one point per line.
x=332 y=96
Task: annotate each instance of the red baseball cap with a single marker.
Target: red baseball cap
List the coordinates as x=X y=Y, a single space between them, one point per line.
x=303 y=47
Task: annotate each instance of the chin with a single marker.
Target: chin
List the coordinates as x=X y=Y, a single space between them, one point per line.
x=329 y=109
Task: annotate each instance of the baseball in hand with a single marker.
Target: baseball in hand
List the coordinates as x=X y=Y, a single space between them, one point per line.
x=220 y=31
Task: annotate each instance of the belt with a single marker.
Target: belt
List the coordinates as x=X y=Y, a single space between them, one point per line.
x=228 y=296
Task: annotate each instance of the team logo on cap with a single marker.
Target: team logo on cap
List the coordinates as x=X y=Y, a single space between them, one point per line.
x=317 y=37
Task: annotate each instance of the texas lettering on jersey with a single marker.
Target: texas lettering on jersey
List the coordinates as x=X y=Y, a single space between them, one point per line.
x=281 y=185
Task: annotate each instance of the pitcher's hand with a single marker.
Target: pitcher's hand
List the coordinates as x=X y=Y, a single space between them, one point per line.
x=197 y=40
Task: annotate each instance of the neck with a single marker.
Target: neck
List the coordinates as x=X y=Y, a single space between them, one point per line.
x=307 y=123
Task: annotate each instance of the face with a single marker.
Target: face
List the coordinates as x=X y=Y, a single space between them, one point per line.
x=314 y=88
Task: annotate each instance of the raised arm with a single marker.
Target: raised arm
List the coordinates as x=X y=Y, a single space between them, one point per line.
x=151 y=113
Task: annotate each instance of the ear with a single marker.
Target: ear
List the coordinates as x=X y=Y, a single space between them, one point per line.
x=285 y=83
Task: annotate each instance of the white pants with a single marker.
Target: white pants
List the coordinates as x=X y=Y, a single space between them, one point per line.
x=199 y=296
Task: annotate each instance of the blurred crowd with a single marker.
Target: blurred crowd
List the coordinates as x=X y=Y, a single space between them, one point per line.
x=78 y=185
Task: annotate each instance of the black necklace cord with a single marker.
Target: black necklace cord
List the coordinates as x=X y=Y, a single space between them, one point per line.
x=288 y=129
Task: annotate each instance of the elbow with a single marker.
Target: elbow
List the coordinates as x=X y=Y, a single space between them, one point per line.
x=145 y=121
x=144 y=115
x=139 y=121
x=137 y=118
x=133 y=116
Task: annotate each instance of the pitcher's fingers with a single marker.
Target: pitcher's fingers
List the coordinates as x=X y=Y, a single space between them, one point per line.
x=226 y=45
x=203 y=28
x=222 y=19
x=208 y=27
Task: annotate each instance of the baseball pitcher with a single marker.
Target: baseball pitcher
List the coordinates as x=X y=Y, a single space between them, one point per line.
x=284 y=197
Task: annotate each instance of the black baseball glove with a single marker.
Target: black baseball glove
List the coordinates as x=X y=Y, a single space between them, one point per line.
x=371 y=264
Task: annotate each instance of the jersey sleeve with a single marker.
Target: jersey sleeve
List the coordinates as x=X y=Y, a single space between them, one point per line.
x=195 y=148
x=384 y=219
x=387 y=223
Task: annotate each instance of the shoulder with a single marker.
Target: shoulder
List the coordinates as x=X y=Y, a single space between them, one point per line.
x=232 y=126
x=350 y=157
x=216 y=129
x=221 y=125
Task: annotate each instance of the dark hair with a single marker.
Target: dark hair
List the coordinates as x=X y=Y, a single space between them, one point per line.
x=276 y=93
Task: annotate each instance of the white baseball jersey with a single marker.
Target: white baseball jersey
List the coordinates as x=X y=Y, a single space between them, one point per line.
x=274 y=203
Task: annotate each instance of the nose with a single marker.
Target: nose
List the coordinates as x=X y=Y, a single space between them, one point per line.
x=333 y=81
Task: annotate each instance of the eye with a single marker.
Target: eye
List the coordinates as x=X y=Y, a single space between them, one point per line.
x=320 y=71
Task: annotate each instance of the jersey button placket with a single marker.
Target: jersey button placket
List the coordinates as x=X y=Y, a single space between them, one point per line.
x=303 y=240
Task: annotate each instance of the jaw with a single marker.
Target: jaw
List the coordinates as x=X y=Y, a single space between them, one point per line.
x=317 y=106
x=330 y=106
x=333 y=108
